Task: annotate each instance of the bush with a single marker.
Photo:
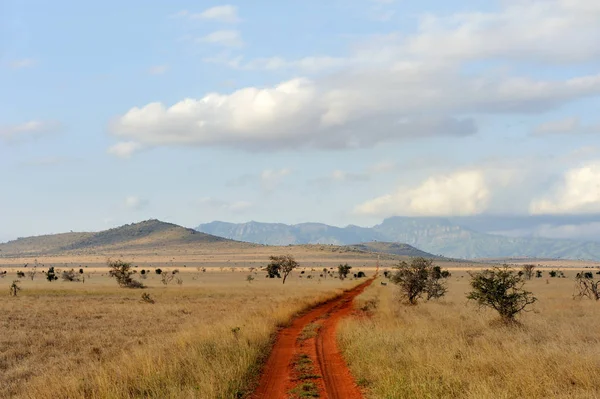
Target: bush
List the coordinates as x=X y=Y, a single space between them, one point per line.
x=419 y=278
x=158 y=271
x=122 y=272
x=587 y=287
x=501 y=289
x=538 y=274
x=14 y=288
x=70 y=275
x=528 y=271
x=51 y=275
x=360 y=275
x=343 y=271
x=20 y=274
x=553 y=273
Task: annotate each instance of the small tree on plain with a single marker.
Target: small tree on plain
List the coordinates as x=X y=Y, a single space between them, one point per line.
x=123 y=272
x=33 y=271
x=418 y=278
x=250 y=278
x=70 y=275
x=501 y=289
x=281 y=265
x=528 y=271
x=587 y=287
x=343 y=270
x=538 y=274
x=166 y=278
x=14 y=288
x=51 y=274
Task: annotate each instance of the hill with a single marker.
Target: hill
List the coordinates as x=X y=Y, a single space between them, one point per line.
x=392 y=248
x=136 y=236
x=439 y=236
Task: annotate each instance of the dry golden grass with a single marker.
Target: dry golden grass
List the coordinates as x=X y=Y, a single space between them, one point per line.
x=449 y=349
x=202 y=339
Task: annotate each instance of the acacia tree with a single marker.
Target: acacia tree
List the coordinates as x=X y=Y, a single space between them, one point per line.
x=420 y=277
x=501 y=289
x=281 y=265
x=587 y=287
x=122 y=272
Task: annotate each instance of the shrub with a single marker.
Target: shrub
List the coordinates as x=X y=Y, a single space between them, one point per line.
x=147 y=298
x=80 y=271
x=552 y=273
x=158 y=271
x=282 y=264
x=419 y=278
x=249 y=278
x=166 y=278
x=20 y=274
x=587 y=287
x=14 y=288
x=69 y=275
x=51 y=275
x=501 y=289
x=528 y=271
x=361 y=275
x=122 y=272
x=538 y=274
x=343 y=270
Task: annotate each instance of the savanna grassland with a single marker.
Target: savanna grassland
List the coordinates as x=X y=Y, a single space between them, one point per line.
x=447 y=348
x=205 y=337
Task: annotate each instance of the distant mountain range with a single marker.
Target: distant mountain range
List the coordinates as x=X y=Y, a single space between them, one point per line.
x=441 y=236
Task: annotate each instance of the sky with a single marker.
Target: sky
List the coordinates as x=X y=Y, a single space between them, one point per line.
x=334 y=111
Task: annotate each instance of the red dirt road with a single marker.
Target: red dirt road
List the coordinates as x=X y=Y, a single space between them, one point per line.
x=329 y=374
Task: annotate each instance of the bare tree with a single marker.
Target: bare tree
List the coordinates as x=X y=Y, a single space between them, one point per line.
x=587 y=287
x=528 y=271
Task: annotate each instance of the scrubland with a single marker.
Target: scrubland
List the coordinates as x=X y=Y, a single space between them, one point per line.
x=205 y=338
x=450 y=349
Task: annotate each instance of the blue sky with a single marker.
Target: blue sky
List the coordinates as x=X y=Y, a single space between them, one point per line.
x=343 y=112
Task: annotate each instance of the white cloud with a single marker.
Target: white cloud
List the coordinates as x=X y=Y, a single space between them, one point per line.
x=158 y=69
x=578 y=192
x=225 y=14
x=22 y=63
x=125 y=149
x=381 y=167
x=560 y=31
x=135 y=203
x=229 y=206
x=227 y=38
x=31 y=129
x=271 y=178
x=570 y=125
x=460 y=193
x=310 y=64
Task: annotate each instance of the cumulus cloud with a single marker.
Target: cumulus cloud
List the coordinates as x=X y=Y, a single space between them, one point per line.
x=125 y=149
x=28 y=130
x=578 y=192
x=229 y=206
x=227 y=38
x=458 y=194
x=226 y=14
x=135 y=203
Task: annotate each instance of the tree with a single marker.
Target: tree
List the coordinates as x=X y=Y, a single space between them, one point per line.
x=50 y=274
x=281 y=265
x=587 y=287
x=343 y=270
x=122 y=272
x=501 y=289
x=33 y=271
x=69 y=275
x=528 y=271
x=418 y=278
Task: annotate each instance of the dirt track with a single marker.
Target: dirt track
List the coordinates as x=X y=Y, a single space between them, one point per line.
x=288 y=369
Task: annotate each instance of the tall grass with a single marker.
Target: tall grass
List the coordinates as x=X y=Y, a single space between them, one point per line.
x=205 y=339
x=448 y=349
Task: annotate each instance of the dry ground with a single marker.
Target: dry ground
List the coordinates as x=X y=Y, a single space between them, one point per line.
x=449 y=349
x=204 y=338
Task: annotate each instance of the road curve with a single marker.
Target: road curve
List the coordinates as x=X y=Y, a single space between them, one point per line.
x=332 y=377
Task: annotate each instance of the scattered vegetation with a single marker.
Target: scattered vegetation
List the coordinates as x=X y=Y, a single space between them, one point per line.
x=51 y=274
x=528 y=271
x=70 y=275
x=281 y=265
x=123 y=272
x=420 y=277
x=587 y=287
x=343 y=271
x=15 y=288
x=501 y=289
